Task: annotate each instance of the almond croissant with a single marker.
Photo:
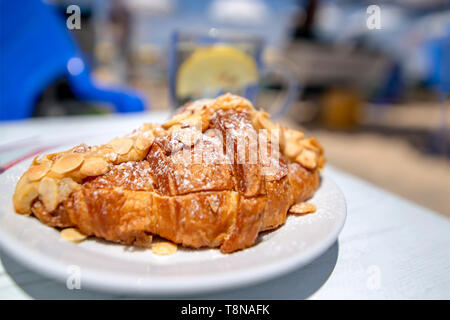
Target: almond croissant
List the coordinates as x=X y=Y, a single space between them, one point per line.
x=190 y=180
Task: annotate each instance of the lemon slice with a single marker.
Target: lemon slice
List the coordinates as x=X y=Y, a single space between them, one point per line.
x=213 y=69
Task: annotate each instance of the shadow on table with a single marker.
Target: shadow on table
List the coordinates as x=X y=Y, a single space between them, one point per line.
x=299 y=284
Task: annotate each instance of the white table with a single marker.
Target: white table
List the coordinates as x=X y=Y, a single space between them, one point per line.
x=389 y=248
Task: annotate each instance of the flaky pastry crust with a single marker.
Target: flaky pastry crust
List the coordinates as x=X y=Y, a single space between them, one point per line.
x=141 y=185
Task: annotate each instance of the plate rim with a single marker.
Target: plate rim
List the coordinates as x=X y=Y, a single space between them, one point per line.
x=109 y=282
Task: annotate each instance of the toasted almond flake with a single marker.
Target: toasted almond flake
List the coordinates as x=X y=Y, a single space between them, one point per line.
x=24 y=195
x=188 y=136
x=149 y=134
x=164 y=248
x=307 y=159
x=121 y=145
x=48 y=191
x=65 y=187
x=312 y=144
x=72 y=235
x=292 y=150
x=94 y=166
x=263 y=121
x=293 y=135
x=321 y=162
x=68 y=163
x=159 y=131
x=302 y=208
x=38 y=171
x=23 y=181
x=107 y=152
x=35 y=160
x=145 y=141
x=201 y=120
x=263 y=113
x=275 y=136
x=177 y=119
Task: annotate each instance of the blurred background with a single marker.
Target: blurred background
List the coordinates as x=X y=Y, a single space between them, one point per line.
x=370 y=83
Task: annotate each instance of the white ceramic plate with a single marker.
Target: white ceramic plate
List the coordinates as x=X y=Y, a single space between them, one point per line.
x=116 y=268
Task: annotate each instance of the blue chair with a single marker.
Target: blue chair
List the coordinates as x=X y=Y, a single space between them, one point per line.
x=36 y=49
x=438 y=53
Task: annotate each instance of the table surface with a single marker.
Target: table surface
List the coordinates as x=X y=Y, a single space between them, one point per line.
x=389 y=248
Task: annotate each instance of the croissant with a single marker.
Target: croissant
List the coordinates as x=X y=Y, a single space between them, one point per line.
x=215 y=175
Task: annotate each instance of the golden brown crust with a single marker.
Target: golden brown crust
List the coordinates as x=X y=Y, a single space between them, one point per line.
x=149 y=182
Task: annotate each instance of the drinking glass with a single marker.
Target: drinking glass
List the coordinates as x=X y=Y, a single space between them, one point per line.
x=207 y=64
